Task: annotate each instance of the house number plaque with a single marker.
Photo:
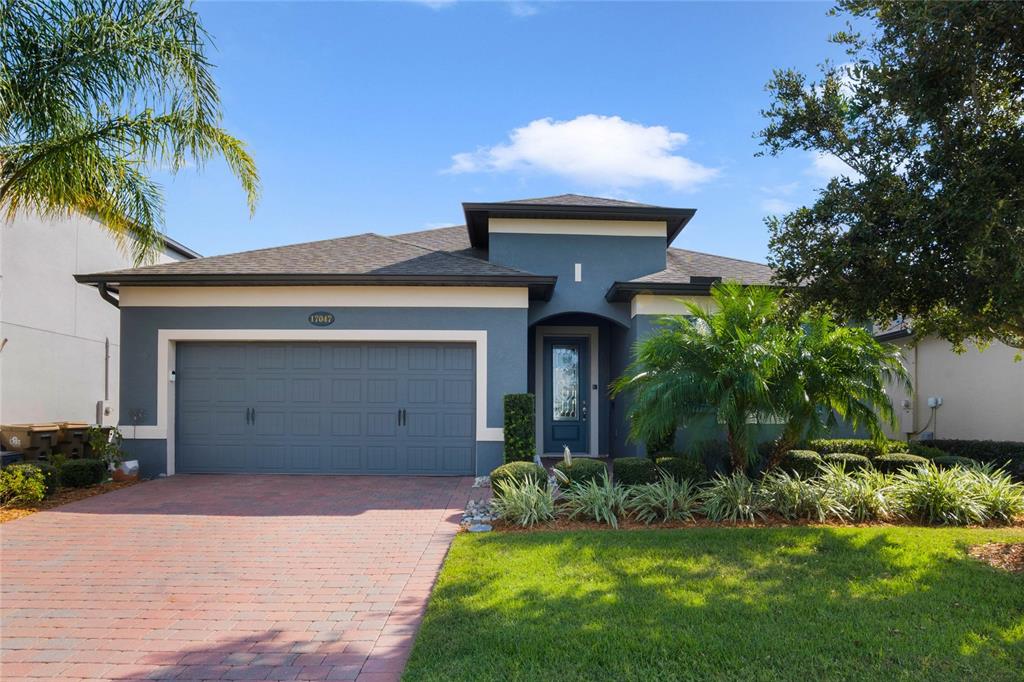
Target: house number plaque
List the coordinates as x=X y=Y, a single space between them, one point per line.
x=321 y=319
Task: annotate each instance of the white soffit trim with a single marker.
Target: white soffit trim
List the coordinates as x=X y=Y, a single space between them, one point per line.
x=165 y=363
x=325 y=297
x=600 y=228
x=650 y=304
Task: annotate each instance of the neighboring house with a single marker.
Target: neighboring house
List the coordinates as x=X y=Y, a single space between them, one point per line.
x=59 y=341
x=391 y=355
x=977 y=394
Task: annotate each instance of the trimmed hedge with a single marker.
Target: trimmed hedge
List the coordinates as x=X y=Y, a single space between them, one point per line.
x=803 y=462
x=82 y=473
x=634 y=470
x=520 y=427
x=517 y=472
x=683 y=468
x=582 y=469
x=947 y=461
x=1006 y=454
x=849 y=460
x=856 y=446
x=920 y=449
x=897 y=461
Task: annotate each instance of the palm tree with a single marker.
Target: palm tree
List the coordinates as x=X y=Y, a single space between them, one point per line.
x=745 y=363
x=94 y=93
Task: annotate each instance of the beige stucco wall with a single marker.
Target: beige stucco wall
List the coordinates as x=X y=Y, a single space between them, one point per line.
x=982 y=391
x=52 y=364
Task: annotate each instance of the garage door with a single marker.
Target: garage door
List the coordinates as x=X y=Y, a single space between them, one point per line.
x=344 y=408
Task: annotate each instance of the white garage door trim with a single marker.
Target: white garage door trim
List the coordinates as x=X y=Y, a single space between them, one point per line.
x=166 y=338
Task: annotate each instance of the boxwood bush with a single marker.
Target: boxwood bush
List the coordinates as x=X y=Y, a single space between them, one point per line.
x=634 y=470
x=682 y=468
x=803 y=462
x=857 y=446
x=946 y=461
x=920 y=449
x=848 y=460
x=518 y=472
x=898 y=461
x=1006 y=454
x=582 y=470
x=520 y=427
x=81 y=473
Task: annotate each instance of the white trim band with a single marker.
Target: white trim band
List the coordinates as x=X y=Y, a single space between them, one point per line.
x=597 y=228
x=652 y=304
x=325 y=297
x=165 y=364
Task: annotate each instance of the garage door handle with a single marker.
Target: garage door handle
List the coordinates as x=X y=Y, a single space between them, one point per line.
x=247 y=415
x=254 y=415
x=404 y=418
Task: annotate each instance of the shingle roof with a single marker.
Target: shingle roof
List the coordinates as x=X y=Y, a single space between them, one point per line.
x=681 y=265
x=576 y=200
x=361 y=254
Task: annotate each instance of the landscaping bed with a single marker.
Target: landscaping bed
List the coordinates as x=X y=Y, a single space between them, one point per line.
x=878 y=603
x=60 y=497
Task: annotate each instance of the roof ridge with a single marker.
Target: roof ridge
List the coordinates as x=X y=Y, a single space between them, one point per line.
x=715 y=255
x=454 y=255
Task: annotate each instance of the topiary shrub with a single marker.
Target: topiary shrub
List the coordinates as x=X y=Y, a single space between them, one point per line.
x=634 y=470
x=582 y=470
x=21 y=484
x=520 y=427
x=927 y=451
x=683 y=468
x=82 y=473
x=857 y=446
x=848 y=460
x=803 y=462
x=518 y=472
x=898 y=461
x=947 y=461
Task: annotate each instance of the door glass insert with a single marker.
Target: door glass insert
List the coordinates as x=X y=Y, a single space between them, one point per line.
x=565 y=370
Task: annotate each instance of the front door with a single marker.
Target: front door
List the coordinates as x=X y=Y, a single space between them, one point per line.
x=566 y=369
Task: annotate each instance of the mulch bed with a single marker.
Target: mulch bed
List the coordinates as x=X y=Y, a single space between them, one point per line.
x=62 y=496
x=1008 y=556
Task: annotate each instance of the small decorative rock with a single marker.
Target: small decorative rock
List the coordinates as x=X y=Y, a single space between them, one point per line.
x=479 y=528
x=478 y=512
x=482 y=482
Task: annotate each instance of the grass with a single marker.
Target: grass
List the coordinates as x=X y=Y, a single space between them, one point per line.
x=880 y=603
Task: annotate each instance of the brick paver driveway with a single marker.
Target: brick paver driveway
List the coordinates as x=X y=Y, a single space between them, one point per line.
x=226 y=577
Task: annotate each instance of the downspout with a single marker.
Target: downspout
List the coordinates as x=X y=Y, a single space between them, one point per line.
x=107 y=296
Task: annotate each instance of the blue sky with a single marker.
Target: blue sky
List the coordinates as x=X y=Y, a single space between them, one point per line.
x=383 y=117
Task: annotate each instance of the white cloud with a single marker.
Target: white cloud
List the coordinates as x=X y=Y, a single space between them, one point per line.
x=775 y=206
x=829 y=166
x=522 y=9
x=591 y=149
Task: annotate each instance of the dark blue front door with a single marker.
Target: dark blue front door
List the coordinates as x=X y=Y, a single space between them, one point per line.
x=566 y=372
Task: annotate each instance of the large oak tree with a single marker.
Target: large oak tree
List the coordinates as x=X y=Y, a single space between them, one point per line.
x=929 y=116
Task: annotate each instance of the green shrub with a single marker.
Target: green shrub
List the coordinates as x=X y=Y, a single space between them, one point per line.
x=898 y=461
x=518 y=472
x=732 y=498
x=51 y=480
x=21 y=484
x=520 y=427
x=683 y=468
x=795 y=497
x=524 y=502
x=1002 y=499
x=921 y=450
x=1003 y=453
x=82 y=473
x=857 y=446
x=668 y=499
x=803 y=462
x=634 y=470
x=848 y=460
x=597 y=499
x=581 y=470
x=946 y=496
x=867 y=495
x=947 y=461
x=105 y=444
x=661 y=445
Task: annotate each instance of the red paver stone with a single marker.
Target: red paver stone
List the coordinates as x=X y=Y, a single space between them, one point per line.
x=226 y=577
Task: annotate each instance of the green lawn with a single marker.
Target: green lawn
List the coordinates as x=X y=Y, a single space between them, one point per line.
x=725 y=604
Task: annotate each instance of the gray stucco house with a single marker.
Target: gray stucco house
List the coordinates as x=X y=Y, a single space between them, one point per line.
x=391 y=355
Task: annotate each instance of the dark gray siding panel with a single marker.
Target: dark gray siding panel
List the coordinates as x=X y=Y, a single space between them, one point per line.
x=604 y=260
x=151 y=454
